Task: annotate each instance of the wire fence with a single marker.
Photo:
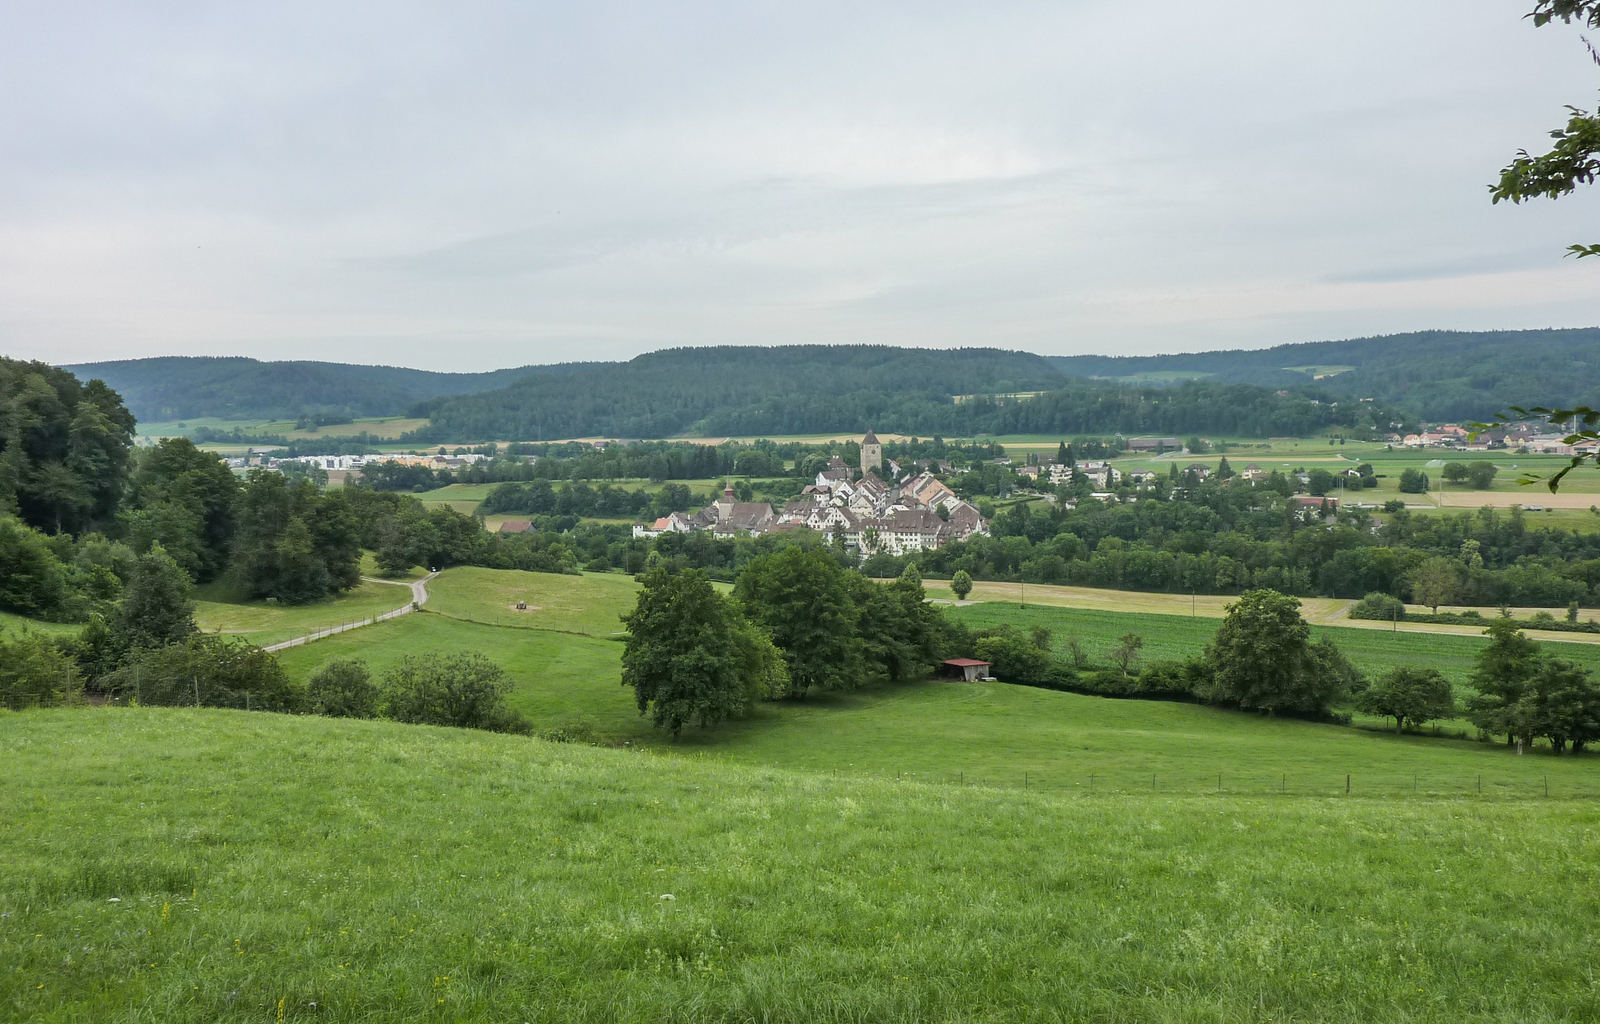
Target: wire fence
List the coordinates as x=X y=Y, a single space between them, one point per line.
x=1569 y=782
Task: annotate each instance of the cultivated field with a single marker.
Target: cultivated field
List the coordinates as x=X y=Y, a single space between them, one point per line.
x=211 y=866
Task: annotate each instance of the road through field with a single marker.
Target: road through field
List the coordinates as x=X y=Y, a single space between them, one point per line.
x=419 y=597
x=1322 y=611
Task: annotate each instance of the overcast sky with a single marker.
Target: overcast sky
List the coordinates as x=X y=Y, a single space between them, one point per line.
x=475 y=185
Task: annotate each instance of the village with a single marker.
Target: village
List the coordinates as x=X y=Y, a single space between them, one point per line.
x=858 y=509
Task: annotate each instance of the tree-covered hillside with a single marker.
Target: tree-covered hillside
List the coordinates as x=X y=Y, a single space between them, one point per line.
x=738 y=390
x=234 y=387
x=1437 y=375
x=810 y=389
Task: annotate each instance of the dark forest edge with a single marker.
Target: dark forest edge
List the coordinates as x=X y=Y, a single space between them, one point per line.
x=1433 y=375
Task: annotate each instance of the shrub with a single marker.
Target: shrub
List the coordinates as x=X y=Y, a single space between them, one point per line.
x=1379 y=606
x=343 y=689
x=465 y=690
x=206 y=670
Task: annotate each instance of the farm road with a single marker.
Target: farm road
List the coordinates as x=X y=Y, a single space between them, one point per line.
x=419 y=597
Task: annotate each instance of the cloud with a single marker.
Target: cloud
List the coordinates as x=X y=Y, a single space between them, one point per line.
x=491 y=184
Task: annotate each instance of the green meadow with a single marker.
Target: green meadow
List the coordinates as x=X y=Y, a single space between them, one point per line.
x=564 y=655
x=211 y=866
x=1174 y=637
x=264 y=624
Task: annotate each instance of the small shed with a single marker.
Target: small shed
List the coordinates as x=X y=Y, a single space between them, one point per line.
x=969 y=669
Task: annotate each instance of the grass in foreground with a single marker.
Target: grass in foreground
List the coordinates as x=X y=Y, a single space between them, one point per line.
x=210 y=866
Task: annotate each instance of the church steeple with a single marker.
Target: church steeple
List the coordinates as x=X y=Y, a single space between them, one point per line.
x=871 y=453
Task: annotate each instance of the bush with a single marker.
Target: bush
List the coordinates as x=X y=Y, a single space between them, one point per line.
x=1379 y=606
x=209 y=671
x=343 y=689
x=464 y=690
x=34 y=672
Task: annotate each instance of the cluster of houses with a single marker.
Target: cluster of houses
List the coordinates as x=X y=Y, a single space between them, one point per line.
x=1514 y=435
x=264 y=458
x=916 y=512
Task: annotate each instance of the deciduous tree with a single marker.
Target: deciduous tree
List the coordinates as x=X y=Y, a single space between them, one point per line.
x=1409 y=694
x=691 y=656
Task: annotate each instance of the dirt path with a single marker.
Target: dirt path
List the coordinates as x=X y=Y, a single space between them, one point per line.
x=419 y=597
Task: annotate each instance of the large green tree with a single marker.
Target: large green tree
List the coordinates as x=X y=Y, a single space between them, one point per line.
x=156 y=608
x=183 y=498
x=1262 y=658
x=1501 y=675
x=64 y=447
x=802 y=598
x=292 y=543
x=691 y=656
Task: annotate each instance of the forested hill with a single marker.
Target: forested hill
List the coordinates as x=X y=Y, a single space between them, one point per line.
x=235 y=387
x=810 y=389
x=741 y=390
x=1437 y=375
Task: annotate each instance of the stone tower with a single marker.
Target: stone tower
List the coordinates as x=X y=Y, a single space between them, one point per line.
x=871 y=453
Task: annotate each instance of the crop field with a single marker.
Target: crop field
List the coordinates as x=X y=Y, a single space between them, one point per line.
x=1373 y=651
x=213 y=866
x=379 y=426
x=263 y=624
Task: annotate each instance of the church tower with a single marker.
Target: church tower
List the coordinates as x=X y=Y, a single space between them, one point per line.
x=871 y=453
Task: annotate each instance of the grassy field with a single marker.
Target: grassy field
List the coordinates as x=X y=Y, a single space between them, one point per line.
x=209 y=866
x=267 y=624
x=565 y=659
x=1373 y=651
x=13 y=624
x=379 y=426
x=589 y=604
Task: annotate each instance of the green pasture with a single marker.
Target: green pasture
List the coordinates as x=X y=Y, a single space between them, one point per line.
x=590 y=604
x=562 y=679
x=453 y=494
x=13 y=624
x=1174 y=637
x=211 y=866
x=564 y=657
x=262 y=623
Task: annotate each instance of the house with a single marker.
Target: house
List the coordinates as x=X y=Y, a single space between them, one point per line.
x=969 y=670
x=515 y=526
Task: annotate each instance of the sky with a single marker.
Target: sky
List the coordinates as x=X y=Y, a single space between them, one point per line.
x=474 y=185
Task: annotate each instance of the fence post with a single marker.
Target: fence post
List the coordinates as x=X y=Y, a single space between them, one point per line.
x=1219 y=782
x=1480 y=785
x=1024 y=780
x=1347 y=784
